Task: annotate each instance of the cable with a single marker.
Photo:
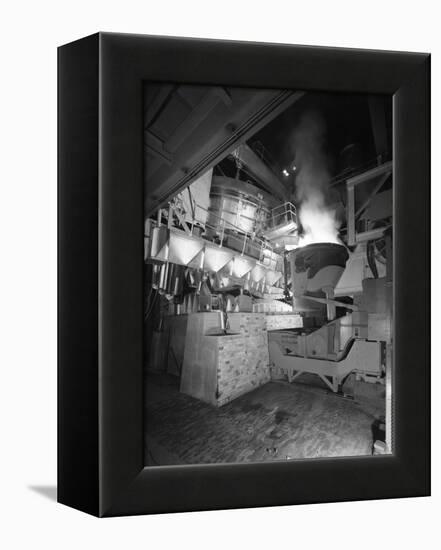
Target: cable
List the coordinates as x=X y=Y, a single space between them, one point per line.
x=150 y=310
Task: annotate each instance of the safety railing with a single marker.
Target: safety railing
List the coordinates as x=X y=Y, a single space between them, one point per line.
x=282 y=214
x=263 y=249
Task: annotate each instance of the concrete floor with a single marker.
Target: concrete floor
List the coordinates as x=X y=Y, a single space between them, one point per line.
x=278 y=421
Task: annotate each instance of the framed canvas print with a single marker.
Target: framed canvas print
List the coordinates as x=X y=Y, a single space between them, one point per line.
x=244 y=263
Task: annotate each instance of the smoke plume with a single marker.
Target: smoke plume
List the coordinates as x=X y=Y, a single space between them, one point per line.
x=317 y=217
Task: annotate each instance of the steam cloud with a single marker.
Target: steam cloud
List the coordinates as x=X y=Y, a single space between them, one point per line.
x=318 y=219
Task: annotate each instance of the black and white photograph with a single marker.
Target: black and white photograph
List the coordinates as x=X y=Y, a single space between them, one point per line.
x=268 y=274
x=219 y=274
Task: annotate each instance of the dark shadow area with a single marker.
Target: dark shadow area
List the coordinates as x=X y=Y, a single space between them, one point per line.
x=48 y=491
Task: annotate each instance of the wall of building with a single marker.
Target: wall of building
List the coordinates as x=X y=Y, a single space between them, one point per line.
x=283 y=321
x=219 y=367
x=243 y=360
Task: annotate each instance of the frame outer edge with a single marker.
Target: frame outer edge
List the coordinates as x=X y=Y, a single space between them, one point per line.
x=412 y=287
x=77 y=369
x=126 y=488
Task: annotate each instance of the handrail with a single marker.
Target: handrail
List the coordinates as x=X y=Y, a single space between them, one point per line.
x=266 y=253
x=224 y=222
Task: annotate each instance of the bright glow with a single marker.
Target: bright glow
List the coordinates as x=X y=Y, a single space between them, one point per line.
x=285 y=172
x=319 y=222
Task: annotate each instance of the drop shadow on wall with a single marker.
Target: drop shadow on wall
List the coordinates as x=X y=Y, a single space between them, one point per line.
x=47 y=491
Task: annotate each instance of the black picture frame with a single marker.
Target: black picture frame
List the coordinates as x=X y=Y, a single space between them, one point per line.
x=100 y=274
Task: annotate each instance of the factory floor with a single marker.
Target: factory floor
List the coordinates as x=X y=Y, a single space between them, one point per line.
x=278 y=421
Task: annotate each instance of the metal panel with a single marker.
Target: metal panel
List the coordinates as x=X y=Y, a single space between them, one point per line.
x=189 y=137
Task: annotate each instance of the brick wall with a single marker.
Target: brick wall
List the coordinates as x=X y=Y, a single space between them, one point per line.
x=281 y=321
x=243 y=361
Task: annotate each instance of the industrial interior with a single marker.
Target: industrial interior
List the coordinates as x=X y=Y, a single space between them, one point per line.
x=268 y=274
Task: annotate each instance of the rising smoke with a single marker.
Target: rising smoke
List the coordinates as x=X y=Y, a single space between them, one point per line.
x=318 y=219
